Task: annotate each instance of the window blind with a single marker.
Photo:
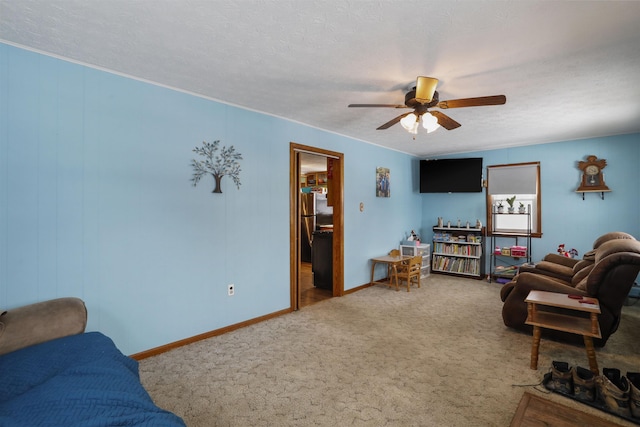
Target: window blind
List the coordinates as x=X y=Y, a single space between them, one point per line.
x=513 y=179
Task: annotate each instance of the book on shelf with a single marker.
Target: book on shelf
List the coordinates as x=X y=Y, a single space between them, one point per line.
x=457 y=265
x=455 y=249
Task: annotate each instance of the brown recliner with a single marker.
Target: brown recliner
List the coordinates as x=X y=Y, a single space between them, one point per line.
x=609 y=279
x=563 y=268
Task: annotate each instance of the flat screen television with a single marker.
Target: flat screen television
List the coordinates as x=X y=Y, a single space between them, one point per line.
x=462 y=175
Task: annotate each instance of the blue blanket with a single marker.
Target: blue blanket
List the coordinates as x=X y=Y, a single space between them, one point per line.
x=82 y=380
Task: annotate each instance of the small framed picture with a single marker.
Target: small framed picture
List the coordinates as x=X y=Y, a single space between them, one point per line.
x=383 y=184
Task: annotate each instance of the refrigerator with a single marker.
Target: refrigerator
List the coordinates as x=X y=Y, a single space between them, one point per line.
x=308 y=224
x=314 y=214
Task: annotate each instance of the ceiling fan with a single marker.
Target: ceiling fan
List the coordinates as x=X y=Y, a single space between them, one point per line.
x=424 y=96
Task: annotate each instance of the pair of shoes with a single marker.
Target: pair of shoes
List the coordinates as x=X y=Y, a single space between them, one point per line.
x=613 y=391
x=561 y=379
x=634 y=393
x=618 y=394
x=577 y=381
x=584 y=384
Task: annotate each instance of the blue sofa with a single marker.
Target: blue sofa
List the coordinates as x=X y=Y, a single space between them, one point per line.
x=55 y=374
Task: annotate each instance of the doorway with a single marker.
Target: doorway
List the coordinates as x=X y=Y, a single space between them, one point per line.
x=316 y=174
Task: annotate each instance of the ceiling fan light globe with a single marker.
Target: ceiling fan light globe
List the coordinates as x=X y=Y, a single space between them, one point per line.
x=410 y=122
x=429 y=122
x=425 y=88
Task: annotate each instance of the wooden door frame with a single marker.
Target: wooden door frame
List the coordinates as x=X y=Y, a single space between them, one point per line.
x=294 y=218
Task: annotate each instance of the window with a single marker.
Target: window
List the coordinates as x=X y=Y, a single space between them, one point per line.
x=523 y=181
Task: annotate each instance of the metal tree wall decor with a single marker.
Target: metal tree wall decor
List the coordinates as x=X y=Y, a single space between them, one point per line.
x=217 y=164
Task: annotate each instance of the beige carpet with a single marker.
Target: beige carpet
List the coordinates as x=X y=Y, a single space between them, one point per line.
x=437 y=356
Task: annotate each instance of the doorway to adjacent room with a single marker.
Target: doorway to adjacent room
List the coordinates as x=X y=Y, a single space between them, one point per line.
x=316 y=225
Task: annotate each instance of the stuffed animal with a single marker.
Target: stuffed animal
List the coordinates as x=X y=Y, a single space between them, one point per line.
x=569 y=254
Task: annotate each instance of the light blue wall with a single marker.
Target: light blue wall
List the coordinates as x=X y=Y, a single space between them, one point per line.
x=566 y=218
x=96 y=202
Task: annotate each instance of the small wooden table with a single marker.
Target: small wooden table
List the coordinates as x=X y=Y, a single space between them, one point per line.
x=588 y=328
x=393 y=261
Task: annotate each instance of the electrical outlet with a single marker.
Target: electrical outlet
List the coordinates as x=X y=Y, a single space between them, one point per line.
x=231 y=289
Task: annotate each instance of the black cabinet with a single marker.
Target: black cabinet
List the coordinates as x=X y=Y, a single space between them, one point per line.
x=322 y=259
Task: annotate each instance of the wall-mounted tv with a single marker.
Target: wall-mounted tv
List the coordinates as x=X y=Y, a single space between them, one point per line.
x=462 y=175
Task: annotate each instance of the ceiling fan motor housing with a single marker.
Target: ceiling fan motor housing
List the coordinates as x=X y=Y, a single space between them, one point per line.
x=411 y=101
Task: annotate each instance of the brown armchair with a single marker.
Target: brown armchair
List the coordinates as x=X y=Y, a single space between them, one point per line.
x=609 y=279
x=563 y=268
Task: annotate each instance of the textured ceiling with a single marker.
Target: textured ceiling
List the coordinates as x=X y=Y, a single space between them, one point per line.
x=569 y=70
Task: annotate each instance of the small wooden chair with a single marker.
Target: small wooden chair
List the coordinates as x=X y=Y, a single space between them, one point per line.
x=392 y=252
x=410 y=273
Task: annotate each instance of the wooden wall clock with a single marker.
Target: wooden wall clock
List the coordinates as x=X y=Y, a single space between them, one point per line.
x=592 y=176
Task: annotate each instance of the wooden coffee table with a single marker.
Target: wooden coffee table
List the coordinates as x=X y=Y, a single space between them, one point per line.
x=589 y=328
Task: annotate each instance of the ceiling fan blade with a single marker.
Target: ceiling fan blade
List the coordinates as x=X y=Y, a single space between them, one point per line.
x=378 y=105
x=473 y=102
x=393 y=121
x=445 y=121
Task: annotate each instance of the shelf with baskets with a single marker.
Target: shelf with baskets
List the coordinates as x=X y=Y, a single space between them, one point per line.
x=458 y=251
x=509 y=250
